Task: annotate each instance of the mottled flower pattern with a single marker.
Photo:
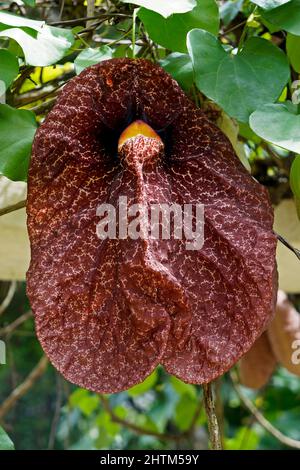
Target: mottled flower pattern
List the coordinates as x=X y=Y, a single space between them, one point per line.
x=107 y=312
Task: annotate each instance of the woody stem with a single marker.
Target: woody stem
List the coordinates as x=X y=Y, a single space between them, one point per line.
x=212 y=421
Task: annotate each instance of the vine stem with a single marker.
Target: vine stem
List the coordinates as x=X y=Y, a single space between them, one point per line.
x=245 y=31
x=9 y=296
x=134 y=16
x=90 y=12
x=141 y=431
x=24 y=387
x=287 y=441
x=77 y=21
x=212 y=421
x=13 y=207
x=288 y=245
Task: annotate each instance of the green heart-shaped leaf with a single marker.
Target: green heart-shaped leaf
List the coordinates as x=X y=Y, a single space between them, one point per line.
x=292 y=49
x=269 y=4
x=241 y=82
x=278 y=124
x=9 y=67
x=17 y=129
x=20 y=21
x=171 y=32
x=91 y=56
x=165 y=8
x=5 y=441
x=143 y=387
x=229 y=10
x=47 y=48
x=285 y=17
x=181 y=68
x=42 y=45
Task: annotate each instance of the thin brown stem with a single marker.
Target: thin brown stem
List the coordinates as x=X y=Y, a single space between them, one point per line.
x=236 y=26
x=90 y=11
x=212 y=421
x=142 y=431
x=77 y=21
x=288 y=245
x=44 y=107
x=61 y=10
x=15 y=324
x=25 y=74
x=133 y=427
x=287 y=441
x=39 y=94
x=24 y=387
x=8 y=298
x=13 y=207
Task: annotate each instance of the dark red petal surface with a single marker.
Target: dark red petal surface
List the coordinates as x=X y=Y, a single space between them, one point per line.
x=231 y=282
x=107 y=312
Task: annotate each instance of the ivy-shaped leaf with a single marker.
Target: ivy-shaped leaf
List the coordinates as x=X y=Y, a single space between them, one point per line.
x=143 y=387
x=44 y=49
x=279 y=124
x=171 y=32
x=292 y=49
x=269 y=4
x=42 y=45
x=9 y=67
x=181 y=68
x=91 y=56
x=17 y=129
x=183 y=388
x=165 y=8
x=229 y=10
x=9 y=19
x=5 y=441
x=285 y=17
x=240 y=82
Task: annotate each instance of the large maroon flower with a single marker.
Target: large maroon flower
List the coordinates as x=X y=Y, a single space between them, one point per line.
x=108 y=311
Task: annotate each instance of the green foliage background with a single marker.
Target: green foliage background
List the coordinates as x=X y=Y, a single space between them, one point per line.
x=239 y=61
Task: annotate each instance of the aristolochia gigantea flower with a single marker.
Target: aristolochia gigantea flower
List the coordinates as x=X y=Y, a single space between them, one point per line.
x=109 y=310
